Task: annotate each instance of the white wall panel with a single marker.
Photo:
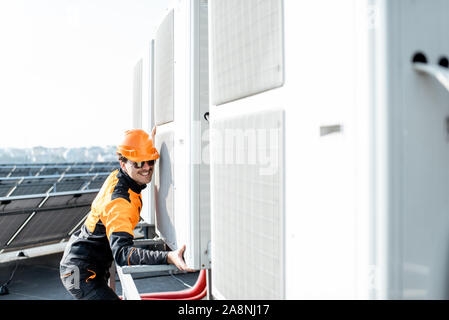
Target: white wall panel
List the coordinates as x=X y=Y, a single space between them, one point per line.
x=137 y=95
x=148 y=199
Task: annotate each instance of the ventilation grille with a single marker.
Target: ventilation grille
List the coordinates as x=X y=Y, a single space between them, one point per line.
x=137 y=95
x=164 y=187
x=164 y=71
x=246 y=48
x=247 y=206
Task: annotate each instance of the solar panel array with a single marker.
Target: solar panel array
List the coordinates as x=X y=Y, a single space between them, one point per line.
x=46 y=169
x=43 y=203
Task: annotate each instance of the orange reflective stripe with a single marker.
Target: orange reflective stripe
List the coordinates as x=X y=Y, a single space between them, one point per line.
x=120 y=216
x=100 y=200
x=92 y=276
x=130 y=254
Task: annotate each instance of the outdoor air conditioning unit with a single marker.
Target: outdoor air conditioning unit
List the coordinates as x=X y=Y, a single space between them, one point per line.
x=329 y=149
x=181 y=100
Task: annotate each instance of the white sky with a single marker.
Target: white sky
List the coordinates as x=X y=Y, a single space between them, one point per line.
x=66 y=69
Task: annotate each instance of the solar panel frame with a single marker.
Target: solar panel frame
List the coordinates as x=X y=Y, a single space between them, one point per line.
x=71 y=183
x=10 y=223
x=24 y=172
x=29 y=188
x=14 y=212
x=47 y=171
x=5 y=190
x=106 y=170
x=42 y=218
x=6 y=185
x=30 y=215
x=4 y=172
x=49 y=225
x=20 y=203
x=78 y=170
x=70 y=199
x=97 y=183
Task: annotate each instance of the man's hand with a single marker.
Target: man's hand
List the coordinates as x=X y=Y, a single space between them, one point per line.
x=175 y=257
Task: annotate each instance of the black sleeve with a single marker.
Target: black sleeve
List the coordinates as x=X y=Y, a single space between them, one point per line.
x=125 y=254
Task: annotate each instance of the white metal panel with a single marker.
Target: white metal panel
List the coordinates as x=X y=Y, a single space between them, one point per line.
x=248 y=213
x=203 y=181
x=183 y=226
x=148 y=209
x=419 y=154
x=318 y=95
x=365 y=206
x=195 y=70
x=137 y=95
x=164 y=65
x=246 y=48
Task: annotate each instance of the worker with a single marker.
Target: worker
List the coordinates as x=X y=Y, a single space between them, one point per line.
x=107 y=233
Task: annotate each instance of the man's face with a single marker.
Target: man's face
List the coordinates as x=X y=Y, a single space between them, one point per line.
x=140 y=175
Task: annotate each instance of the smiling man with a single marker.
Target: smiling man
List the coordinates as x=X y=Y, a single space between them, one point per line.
x=107 y=233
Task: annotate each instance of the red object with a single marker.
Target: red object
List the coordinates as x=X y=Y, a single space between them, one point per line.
x=197 y=292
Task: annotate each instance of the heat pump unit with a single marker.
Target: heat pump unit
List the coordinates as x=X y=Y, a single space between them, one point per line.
x=329 y=149
x=181 y=99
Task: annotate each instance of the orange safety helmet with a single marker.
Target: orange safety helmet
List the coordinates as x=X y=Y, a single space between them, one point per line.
x=137 y=146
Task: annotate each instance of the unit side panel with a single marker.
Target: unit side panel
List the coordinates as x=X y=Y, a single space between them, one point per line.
x=422 y=152
x=203 y=138
x=164 y=187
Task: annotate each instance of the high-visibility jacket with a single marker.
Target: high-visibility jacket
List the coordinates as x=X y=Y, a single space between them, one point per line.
x=107 y=233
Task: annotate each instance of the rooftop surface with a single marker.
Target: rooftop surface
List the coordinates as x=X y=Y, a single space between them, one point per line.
x=38 y=279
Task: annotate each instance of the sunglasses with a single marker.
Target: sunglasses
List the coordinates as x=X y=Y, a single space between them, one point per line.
x=140 y=164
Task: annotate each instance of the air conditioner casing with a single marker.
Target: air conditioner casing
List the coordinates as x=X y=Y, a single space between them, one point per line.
x=358 y=206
